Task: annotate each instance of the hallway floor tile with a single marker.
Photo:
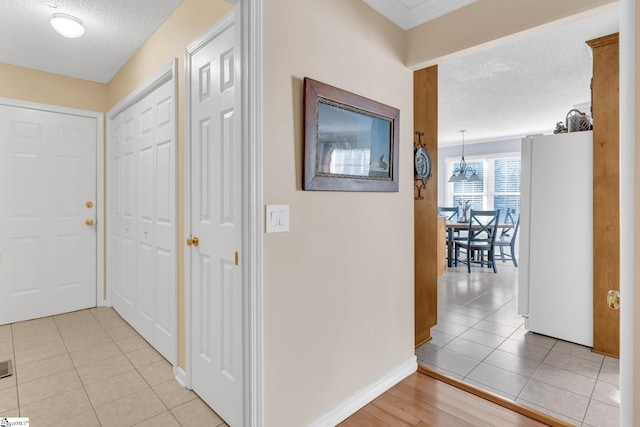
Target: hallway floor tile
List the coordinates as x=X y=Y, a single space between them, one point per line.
x=480 y=339
x=90 y=368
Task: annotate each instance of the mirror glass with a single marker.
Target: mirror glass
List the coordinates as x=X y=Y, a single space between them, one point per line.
x=352 y=142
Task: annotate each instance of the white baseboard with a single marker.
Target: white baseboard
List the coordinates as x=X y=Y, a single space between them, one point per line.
x=351 y=405
x=180 y=375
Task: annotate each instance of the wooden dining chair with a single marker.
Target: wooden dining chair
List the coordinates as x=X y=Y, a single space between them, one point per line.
x=506 y=239
x=483 y=228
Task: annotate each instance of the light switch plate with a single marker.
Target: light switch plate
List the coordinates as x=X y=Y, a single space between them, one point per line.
x=277 y=218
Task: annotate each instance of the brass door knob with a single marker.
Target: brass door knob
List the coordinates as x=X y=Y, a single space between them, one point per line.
x=613 y=299
x=89 y=204
x=89 y=222
x=193 y=241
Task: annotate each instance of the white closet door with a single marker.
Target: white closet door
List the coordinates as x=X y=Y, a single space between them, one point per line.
x=145 y=292
x=123 y=229
x=164 y=226
x=47 y=250
x=143 y=237
x=216 y=218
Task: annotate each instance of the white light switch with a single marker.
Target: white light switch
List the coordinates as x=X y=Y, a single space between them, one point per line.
x=277 y=218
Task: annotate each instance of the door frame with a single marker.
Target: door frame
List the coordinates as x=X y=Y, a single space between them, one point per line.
x=165 y=74
x=99 y=202
x=628 y=164
x=628 y=137
x=247 y=18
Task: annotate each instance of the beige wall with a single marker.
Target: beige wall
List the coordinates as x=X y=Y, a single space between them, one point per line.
x=47 y=88
x=188 y=22
x=485 y=21
x=338 y=288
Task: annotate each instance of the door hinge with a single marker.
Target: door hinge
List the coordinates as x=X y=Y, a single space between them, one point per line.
x=236 y=258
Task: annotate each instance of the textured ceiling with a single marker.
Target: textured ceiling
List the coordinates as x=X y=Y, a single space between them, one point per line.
x=407 y=14
x=520 y=88
x=115 y=29
x=509 y=91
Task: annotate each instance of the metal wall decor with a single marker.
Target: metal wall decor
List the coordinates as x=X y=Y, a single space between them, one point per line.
x=422 y=165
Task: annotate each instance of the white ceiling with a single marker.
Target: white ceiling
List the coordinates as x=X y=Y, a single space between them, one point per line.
x=517 y=88
x=115 y=29
x=508 y=91
x=520 y=88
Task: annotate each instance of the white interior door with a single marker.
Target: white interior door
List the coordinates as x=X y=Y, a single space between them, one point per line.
x=48 y=180
x=143 y=259
x=215 y=218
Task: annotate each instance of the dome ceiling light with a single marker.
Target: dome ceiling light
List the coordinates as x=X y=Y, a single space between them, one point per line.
x=67 y=25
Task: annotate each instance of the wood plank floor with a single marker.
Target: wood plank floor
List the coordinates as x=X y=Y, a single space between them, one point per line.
x=420 y=400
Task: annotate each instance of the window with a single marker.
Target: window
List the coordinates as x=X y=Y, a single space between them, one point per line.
x=498 y=188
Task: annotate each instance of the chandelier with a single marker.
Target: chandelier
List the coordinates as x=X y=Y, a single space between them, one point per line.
x=464 y=172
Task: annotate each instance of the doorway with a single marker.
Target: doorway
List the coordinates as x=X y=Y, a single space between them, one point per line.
x=604 y=365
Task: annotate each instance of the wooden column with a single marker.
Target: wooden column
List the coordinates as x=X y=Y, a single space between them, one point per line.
x=606 y=192
x=425 y=119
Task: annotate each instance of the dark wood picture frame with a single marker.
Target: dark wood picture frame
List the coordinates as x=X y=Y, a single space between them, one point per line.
x=351 y=142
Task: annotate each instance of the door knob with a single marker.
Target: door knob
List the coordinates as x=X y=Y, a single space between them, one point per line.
x=613 y=299
x=89 y=222
x=193 y=241
x=89 y=204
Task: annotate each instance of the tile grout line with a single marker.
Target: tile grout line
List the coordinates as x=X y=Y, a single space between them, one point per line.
x=84 y=389
x=84 y=386
x=70 y=325
x=142 y=376
x=129 y=360
x=448 y=299
x=494 y=349
x=584 y=417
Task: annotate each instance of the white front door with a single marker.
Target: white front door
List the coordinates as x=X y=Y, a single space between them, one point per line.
x=48 y=181
x=216 y=220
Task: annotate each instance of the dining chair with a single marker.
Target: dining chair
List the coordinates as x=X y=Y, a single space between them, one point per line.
x=509 y=219
x=483 y=228
x=508 y=239
x=450 y=213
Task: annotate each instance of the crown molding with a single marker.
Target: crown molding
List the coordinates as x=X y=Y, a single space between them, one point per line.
x=409 y=16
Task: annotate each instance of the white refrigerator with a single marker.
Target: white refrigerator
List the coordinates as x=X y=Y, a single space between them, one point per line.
x=555 y=277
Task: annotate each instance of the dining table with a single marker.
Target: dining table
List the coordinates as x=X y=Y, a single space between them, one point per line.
x=452 y=226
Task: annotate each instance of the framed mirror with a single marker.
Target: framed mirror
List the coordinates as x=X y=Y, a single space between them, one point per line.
x=351 y=142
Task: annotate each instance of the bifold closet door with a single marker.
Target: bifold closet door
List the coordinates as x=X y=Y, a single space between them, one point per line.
x=144 y=285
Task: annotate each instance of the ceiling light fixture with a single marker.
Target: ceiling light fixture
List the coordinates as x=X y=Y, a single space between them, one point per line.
x=461 y=173
x=67 y=25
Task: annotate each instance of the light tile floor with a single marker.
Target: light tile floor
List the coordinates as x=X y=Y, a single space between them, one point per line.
x=481 y=340
x=90 y=368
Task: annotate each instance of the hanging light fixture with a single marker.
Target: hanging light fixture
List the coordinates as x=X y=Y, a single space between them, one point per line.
x=67 y=25
x=463 y=172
